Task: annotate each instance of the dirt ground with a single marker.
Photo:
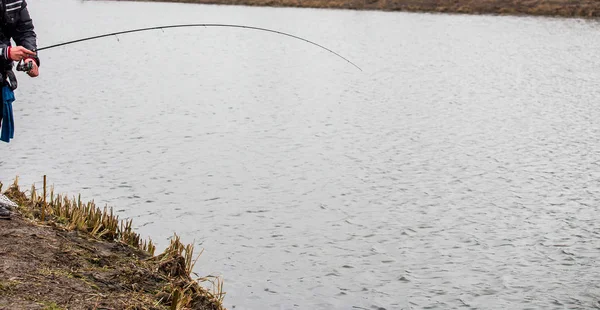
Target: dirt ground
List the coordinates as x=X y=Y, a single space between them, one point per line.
x=46 y=268
x=566 y=8
x=46 y=265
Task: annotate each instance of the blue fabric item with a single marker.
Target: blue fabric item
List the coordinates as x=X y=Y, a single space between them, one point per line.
x=8 y=125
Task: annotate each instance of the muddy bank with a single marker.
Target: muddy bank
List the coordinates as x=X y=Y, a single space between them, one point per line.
x=565 y=8
x=59 y=263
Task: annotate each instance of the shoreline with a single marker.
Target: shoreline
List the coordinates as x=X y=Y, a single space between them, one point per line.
x=549 y=8
x=59 y=253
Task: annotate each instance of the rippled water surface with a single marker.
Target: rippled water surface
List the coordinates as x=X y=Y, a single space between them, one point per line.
x=460 y=169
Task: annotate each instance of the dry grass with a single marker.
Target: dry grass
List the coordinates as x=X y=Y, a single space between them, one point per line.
x=177 y=262
x=566 y=8
x=73 y=214
x=174 y=265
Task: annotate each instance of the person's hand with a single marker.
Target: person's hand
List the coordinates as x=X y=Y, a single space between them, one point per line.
x=34 y=68
x=19 y=53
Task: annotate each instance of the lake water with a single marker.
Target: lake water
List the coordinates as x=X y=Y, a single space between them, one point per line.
x=460 y=169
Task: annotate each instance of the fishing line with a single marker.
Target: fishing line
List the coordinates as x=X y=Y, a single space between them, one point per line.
x=193 y=25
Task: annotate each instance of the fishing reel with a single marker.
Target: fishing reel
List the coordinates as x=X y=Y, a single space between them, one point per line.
x=24 y=66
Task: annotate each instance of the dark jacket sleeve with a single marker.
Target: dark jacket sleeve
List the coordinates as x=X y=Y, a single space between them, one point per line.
x=24 y=31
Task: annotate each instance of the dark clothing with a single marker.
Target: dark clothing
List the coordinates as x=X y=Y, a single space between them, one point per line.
x=7 y=126
x=15 y=23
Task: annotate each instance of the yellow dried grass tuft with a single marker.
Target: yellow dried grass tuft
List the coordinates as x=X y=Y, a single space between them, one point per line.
x=176 y=261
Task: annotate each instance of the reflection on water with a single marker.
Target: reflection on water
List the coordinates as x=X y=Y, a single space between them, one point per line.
x=459 y=170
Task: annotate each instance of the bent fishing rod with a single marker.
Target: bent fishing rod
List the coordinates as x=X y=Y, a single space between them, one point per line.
x=193 y=25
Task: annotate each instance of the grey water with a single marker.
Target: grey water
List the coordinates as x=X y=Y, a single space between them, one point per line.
x=459 y=169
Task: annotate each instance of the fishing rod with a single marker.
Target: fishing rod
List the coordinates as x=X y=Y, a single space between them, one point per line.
x=193 y=25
